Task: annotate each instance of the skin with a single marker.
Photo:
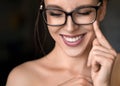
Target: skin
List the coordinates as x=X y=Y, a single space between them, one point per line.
x=87 y=64
x=115 y=76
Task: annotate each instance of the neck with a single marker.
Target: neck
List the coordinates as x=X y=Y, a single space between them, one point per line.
x=78 y=63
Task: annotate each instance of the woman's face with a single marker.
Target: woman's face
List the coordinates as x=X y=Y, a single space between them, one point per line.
x=71 y=39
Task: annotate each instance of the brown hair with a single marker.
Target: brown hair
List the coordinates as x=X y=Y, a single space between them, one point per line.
x=43 y=41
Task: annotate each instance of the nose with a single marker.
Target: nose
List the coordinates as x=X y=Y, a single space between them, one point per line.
x=70 y=25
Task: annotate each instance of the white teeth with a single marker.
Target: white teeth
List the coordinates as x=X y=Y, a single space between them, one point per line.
x=72 y=39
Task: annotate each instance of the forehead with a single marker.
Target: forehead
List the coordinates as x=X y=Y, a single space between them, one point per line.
x=70 y=4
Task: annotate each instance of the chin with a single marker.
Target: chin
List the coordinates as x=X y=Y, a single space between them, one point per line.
x=75 y=52
x=81 y=50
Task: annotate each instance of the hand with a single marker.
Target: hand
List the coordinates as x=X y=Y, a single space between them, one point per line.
x=101 y=59
x=78 y=81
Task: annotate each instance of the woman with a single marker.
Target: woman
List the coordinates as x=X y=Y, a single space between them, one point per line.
x=81 y=55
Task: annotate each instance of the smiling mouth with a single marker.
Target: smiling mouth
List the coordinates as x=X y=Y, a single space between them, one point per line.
x=73 y=40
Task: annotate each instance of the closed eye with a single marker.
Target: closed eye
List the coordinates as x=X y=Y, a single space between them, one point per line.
x=84 y=13
x=55 y=14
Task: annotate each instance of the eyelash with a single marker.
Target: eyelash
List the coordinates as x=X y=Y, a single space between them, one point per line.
x=55 y=14
x=85 y=13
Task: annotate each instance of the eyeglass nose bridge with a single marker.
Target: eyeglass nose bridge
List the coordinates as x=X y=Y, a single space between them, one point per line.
x=67 y=14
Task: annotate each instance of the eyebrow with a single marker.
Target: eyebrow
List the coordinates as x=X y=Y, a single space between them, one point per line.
x=53 y=6
x=58 y=7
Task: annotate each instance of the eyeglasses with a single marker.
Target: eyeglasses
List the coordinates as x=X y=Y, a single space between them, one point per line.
x=80 y=16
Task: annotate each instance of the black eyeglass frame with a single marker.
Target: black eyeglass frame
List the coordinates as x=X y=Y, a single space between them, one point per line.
x=70 y=14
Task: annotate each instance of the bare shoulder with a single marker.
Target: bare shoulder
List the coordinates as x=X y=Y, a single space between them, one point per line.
x=16 y=75
x=115 y=78
x=119 y=55
x=27 y=74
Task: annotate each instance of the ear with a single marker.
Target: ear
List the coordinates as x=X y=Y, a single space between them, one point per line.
x=102 y=11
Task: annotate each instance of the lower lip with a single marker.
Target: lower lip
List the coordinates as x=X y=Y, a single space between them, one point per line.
x=73 y=44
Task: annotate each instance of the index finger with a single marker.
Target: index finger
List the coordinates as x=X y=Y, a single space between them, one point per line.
x=99 y=35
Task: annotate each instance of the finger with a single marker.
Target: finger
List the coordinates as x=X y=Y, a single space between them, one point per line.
x=99 y=50
x=89 y=60
x=105 y=50
x=101 y=61
x=101 y=64
x=95 y=43
x=102 y=40
x=104 y=54
x=95 y=66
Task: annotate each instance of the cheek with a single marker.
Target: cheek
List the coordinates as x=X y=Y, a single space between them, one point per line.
x=91 y=36
x=90 y=33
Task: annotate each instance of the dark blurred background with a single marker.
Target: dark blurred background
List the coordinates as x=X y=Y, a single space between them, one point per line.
x=17 y=21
